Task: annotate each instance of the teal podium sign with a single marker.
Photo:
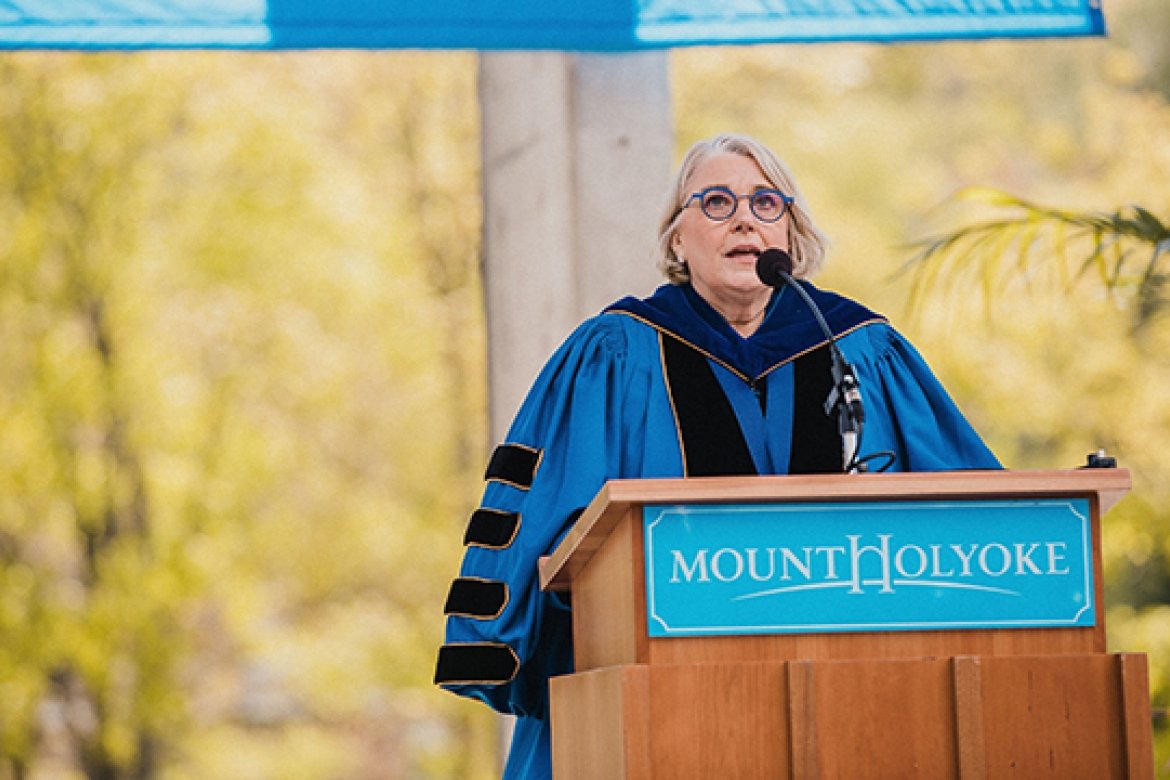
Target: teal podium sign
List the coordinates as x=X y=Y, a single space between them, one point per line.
x=867 y=566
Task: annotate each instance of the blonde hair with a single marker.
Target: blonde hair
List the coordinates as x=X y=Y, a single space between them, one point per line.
x=807 y=243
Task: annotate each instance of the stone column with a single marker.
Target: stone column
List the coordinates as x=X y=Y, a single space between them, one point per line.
x=577 y=153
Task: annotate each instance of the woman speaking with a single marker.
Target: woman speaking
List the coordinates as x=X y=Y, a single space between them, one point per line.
x=716 y=373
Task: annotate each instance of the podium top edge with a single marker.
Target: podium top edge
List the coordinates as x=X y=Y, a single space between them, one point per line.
x=1110 y=484
x=556 y=570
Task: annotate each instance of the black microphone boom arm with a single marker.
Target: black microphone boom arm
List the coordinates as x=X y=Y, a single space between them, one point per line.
x=774 y=267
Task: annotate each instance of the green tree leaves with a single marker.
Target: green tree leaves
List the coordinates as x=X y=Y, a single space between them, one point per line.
x=242 y=387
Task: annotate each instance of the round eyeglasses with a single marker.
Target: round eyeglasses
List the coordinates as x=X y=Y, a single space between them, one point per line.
x=719 y=203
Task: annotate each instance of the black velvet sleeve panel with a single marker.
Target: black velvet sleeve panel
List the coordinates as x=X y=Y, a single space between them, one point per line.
x=492 y=528
x=476 y=598
x=514 y=464
x=483 y=663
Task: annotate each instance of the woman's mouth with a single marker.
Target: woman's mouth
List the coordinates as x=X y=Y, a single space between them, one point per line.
x=743 y=253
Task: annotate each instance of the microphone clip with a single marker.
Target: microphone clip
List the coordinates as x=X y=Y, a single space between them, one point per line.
x=845 y=398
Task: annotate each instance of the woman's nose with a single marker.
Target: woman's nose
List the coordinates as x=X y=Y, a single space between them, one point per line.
x=743 y=218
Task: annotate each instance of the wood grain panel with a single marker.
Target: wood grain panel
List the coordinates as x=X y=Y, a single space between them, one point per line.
x=972 y=718
x=1053 y=718
x=1133 y=670
x=588 y=725
x=802 y=721
x=891 y=719
x=719 y=721
x=969 y=729
x=609 y=599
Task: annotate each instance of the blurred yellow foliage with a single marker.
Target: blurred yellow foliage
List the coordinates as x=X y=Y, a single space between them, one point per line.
x=242 y=380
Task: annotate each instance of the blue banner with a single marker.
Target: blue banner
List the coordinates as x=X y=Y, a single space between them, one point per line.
x=599 y=25
x=884 y=566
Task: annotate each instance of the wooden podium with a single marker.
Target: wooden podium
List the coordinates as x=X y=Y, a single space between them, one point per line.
x=970 y=703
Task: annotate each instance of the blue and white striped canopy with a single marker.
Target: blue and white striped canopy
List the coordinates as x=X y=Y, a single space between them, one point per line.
x=574 y=25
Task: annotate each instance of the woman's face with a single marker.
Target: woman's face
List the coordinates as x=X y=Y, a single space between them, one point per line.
x=721 y=256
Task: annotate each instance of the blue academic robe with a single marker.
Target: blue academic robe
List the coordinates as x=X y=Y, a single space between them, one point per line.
x=602 y=408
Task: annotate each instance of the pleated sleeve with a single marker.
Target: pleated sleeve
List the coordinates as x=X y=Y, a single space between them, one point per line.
x=504 y=636
x=908 y=412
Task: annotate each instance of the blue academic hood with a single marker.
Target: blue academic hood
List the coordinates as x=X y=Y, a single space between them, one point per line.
x=570 y=25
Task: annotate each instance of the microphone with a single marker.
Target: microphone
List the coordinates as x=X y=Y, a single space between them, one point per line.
x=774 y=268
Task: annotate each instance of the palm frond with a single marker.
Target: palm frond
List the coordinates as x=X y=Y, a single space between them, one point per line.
x=994 y=253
